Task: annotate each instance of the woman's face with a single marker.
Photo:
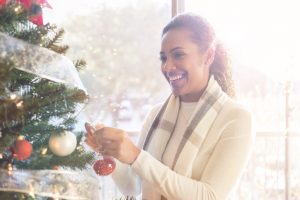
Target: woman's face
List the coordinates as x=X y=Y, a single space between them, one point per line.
x=183 y=64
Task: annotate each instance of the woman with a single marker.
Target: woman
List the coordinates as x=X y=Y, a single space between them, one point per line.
x=196 y=145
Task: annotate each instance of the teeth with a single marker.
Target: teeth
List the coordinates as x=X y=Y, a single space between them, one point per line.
x=173 y=78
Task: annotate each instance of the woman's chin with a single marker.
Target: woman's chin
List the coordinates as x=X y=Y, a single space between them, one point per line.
x=177 y=91
x=178 y=86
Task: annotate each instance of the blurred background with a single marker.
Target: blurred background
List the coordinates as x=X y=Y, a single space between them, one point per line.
x=120 y=40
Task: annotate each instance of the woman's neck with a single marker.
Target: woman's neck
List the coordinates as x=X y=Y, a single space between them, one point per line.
x=193 y=97
x=196 y=95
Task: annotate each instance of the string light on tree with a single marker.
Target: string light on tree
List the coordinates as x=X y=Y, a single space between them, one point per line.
x=19 y=105
x=9 y=168
x=44 y=151
x=13 y=96
x=18 y=9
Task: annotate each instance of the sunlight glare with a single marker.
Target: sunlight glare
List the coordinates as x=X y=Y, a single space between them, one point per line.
x=259 y=34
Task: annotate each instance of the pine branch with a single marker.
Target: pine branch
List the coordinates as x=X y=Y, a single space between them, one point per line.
x=80 y=64
x=78 y=160
x=43 y=100
x=60 y=49
x=54 y=43
x=6 y=141
x=6 y=67
x=56 y=39
x=11 y=15
x=14 y=21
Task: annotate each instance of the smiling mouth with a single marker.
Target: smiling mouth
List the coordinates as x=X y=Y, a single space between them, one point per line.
x=175 y=77
x=177 y=81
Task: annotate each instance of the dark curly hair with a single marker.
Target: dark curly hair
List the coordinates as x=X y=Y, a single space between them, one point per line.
x=204 y=36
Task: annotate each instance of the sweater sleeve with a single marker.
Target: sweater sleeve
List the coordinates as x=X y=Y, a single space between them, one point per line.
x=127 y=181
x=222 y=172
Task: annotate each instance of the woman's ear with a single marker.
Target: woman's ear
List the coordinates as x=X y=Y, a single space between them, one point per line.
x=209 y=56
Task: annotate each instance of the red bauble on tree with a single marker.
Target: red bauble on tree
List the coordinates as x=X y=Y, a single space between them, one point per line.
x=22 y=149
x=104 y=166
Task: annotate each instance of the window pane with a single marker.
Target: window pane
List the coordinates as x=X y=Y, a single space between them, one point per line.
x=120 y=41
x=263 y=40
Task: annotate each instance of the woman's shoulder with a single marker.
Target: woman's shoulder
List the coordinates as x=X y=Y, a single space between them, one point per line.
x=235 y=119
x=232 y=109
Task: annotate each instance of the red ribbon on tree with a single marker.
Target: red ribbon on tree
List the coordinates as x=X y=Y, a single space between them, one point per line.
x=44 y=3
x=27 y=3
x=2 y=2
x=38 y=17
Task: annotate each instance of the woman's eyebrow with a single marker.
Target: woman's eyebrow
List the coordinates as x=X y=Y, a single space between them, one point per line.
x=172 y=50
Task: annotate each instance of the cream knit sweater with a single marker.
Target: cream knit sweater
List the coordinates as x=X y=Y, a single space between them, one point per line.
x=216 y=170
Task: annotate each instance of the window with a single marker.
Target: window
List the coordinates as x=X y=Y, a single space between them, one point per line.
x=263 y=40
x=120 y=41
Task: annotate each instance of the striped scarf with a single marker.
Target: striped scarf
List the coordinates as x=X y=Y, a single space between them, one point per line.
x=160 y=132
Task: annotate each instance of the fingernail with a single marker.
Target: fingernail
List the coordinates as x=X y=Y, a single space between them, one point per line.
x=89 y=126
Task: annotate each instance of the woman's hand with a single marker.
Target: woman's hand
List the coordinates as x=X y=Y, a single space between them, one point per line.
x=90 y=139
x=112 y=142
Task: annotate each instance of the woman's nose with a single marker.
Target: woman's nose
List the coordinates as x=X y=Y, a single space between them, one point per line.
x=168 y=66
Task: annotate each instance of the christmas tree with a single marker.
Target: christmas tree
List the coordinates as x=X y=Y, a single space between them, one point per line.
x=37 y=110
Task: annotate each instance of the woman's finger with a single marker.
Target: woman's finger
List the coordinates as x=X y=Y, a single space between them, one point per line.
x=89 y=128
x=112 y=134
x=91 y=140
x=92 y=145
x=90 y=135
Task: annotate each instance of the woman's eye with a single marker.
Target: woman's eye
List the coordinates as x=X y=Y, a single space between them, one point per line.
x=179 y=55
x=163 y=59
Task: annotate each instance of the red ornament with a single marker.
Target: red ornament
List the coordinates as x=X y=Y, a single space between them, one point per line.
x=37 y=19
x=104 y=166
x=22 y=149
